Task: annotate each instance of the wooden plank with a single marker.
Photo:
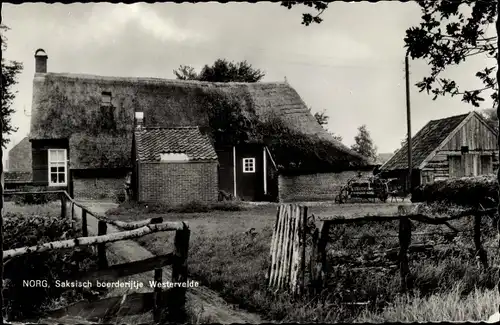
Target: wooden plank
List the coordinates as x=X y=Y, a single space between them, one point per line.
x=289 y=246
x=285 y=250
x=87 y=241
x=102 y=228
x=157 y=296
x=295 y=253
x=117 y=271
x=272 y=257
x=302 y=249
x=279 y=245
x=85 y=231
x=277 y=248
x=483 y=257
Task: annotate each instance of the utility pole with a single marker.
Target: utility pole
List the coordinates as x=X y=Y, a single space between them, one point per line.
x=408 y=120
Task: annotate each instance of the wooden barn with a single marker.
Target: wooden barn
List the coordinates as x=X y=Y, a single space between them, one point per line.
x=269 y=146
x=456 y=146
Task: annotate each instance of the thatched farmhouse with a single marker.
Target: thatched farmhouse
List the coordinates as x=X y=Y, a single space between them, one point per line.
x=88 y=132
x=456 y=146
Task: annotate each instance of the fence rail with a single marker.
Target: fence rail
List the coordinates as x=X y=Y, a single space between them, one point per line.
x=287 y=231
x=173 y=298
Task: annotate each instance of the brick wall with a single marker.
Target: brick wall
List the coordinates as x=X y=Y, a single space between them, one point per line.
x=178 y=183
x=314 y=187
x=97 y=188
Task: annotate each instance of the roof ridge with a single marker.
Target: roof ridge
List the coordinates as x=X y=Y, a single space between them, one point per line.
x=157 y=79
x=454 y=116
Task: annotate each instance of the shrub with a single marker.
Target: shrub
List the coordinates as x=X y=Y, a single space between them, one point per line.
x=120 y=196
x=28 y=230
x=35 y=198
x=466 y=191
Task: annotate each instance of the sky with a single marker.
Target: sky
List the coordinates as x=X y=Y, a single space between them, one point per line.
x=351 y=66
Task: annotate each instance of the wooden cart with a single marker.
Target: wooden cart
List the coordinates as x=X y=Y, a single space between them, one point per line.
x=369 y=189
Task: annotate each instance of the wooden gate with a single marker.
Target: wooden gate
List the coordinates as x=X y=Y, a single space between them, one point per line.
x=288 y=249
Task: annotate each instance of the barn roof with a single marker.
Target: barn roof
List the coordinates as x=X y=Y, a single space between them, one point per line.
x=152 y=142
x=69 y=106
x=424 y=142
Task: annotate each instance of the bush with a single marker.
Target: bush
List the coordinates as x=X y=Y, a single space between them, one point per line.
x=22 y=230
x=466 y=191
x=35 y=198
x=120 y=196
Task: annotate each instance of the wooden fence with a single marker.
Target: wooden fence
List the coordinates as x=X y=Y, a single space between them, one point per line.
x=288 y=249
x=137 y=303
x=288 y=245
x=321 y=238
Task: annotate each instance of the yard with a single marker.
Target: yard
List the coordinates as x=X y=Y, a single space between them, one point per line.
x=227 y=255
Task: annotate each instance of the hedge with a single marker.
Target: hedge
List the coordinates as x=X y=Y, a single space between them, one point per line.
x=466 y=191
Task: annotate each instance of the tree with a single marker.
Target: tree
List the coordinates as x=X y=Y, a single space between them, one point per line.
x=322 y=118
x=308 y=18
x=364 y=143
x=186 y=72
x=447 y=37
x=490 y=115
x=221 y=71
x=10 y=72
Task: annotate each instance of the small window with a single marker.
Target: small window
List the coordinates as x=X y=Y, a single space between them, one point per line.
x=106 y=98
x=249 y=165
x=57 y=167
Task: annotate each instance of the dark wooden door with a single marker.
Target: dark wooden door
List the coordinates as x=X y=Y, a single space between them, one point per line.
x=249 y=172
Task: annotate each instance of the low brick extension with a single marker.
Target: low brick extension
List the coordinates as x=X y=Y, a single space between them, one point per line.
x=314 y=187
x=178 y=183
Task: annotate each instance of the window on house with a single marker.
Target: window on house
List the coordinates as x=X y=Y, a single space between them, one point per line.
x=249 y=165
x=106 y=98
x=57 y=167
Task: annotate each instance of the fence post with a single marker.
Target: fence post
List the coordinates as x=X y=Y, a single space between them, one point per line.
x=102 y=228
x=404 y=244
x=176 y=305
x=157 y=296
x=84 y=223
x=72 y=211
x=321 y=267
x=63 y=206
x=483 y=257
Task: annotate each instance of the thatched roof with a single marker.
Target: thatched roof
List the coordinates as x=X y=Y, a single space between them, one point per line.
x=68 y=104
x=424 y=142
x=20 y=156
x=151 y=143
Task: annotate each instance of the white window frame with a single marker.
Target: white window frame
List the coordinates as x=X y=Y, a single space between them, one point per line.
x=63 y=163
x=252 y=164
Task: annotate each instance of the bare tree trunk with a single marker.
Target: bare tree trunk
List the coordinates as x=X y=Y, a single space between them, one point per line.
x=498 y=106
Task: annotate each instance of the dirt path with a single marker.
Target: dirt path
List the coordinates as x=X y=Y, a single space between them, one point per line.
x=206 y=303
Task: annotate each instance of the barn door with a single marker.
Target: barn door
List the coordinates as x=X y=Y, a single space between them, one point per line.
x=455 y=166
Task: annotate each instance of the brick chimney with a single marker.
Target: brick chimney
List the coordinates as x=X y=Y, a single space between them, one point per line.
x=139 y=120
x=40 y=61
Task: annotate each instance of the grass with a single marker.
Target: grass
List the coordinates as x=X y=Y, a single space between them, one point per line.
x=136 y=209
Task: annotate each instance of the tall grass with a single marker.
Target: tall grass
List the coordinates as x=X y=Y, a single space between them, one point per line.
x=446 y=275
